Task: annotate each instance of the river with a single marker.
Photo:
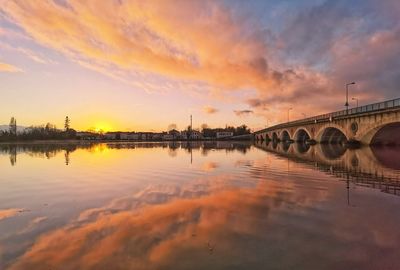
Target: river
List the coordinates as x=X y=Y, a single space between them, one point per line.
x=198 y=205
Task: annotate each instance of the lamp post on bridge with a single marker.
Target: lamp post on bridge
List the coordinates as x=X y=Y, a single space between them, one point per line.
x=347 y=96
x=288 y=114
x=356 y=99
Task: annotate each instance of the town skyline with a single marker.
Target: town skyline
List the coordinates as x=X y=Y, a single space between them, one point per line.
x=172 y=126
x=236 y=63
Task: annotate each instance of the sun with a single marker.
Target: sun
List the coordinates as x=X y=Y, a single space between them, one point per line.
x=102 y=127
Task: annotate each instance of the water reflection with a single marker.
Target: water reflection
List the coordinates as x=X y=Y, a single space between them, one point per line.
x=236 y=206
x=303 y=148
x=376 y=167
x=212 y=227
x=50 y=150
x=42 y=150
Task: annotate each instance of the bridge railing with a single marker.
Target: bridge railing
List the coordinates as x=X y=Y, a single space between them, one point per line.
x=328 y=116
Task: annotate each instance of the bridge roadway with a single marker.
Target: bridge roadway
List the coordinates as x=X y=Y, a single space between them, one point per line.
x=377 y=123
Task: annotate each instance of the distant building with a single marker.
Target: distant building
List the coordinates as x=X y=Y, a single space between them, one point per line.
x=158 y=136
x=175 y=134
x=224 y=134
x=84 y=135
x=146 y=136
x=191 y=135
x=129 y=136
x=168 y=137
x=112 y=135
x=196 y=135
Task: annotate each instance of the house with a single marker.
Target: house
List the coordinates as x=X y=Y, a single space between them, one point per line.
x=168 y=137
x=112 y=136
x=129 y=136
x=146 y=136
x=196 y=135
x=175 y=134
x=124 y=135
x=191 y=135
x=83 y=135
x=224 y=134
x=157 y=136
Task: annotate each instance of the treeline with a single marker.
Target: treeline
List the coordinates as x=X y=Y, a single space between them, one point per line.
x=41 y=132
x=237 y=131
x=44 y=132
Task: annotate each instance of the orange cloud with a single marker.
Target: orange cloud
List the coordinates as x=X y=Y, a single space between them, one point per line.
x=7 y=213
x=8 y=68
x=209 y=110
x=200 y=40
x=209 y=166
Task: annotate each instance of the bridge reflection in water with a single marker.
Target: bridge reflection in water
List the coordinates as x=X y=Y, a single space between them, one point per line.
x=373 y=167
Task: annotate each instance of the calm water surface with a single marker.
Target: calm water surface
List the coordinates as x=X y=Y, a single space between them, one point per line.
x=198 y=206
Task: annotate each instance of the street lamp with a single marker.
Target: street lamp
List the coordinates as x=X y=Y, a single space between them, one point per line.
x=356 y=99
x=347 y=96
x=288 y=114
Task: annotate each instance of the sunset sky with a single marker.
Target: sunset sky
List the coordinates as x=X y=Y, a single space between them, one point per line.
x=143 y=65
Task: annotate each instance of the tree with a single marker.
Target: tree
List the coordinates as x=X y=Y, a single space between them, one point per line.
x=172 y=126
x=67 y=123
x=13 y=126
x=204 y=126
x=50 y=127
x=242 y=130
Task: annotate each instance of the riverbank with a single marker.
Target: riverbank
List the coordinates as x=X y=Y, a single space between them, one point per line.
x=112 y=141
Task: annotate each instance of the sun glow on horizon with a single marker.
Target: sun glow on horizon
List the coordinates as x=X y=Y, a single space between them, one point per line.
x=102 y=127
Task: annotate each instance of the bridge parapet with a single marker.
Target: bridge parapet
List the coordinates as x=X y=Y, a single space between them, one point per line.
x=357 y=124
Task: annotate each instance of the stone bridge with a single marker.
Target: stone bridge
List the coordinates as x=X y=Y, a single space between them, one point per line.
x=377 y=123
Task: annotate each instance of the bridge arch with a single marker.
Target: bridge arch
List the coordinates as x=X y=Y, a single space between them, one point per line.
x=285 y=136
x=332 y=134
x=386 y=133
x=275 y=137
x=302 y=135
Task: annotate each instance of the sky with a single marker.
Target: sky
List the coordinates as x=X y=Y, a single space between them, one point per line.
x=149 y=65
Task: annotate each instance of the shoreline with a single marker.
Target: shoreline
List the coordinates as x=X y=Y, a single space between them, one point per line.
x=111 y=141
